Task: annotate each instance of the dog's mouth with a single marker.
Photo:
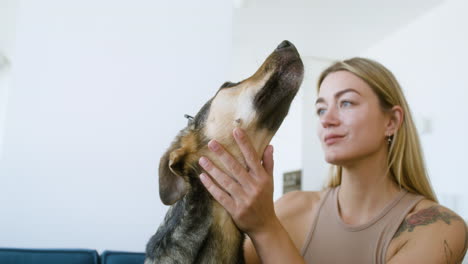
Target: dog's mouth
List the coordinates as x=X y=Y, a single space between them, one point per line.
x=286 y=70
x=284 y=64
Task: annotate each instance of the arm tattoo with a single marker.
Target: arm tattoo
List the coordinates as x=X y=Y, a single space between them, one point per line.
x=425 y=217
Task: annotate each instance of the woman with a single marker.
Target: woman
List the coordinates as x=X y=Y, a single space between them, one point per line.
x=379 y=206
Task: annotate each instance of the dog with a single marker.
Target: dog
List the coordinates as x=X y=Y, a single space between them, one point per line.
x=196 y=228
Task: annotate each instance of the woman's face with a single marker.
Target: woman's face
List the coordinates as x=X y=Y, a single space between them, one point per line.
x=352 y=125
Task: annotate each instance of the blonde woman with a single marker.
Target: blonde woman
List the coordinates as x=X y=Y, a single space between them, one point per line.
x=378 y=207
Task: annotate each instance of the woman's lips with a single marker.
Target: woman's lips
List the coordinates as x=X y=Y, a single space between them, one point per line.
x=332 y=139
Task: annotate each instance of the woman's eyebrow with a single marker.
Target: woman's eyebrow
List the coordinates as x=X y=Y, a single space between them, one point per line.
x=338 y=94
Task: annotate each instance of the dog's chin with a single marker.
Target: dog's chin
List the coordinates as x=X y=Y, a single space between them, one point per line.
x=259 y=139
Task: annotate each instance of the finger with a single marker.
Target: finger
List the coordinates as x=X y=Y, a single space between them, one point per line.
x=226 y=182
x=219 y=195
x=268 y=162
x=230 y=164
x=250 y=155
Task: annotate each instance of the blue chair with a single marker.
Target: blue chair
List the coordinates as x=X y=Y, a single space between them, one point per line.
x=121 y=257
x=48 y=256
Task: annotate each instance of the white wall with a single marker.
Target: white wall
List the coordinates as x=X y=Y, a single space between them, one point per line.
x=98 y=91
x=8 y=14
x=315 y=168
x=429 y=58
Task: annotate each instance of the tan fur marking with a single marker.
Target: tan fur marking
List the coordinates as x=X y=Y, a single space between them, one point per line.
x=191 y=147
x=233 y=107
x=225 y=226
x=189 y=142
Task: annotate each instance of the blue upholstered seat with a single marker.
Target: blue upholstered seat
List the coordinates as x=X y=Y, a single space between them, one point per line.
x=120 y=257
x=49 y=256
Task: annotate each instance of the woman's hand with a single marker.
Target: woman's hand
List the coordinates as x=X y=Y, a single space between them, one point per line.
x=247 y=194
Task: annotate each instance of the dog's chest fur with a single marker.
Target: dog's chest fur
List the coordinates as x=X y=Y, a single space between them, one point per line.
x=196 y=229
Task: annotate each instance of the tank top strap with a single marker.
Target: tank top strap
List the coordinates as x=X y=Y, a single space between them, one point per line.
x=326 y=196
x=408 y=202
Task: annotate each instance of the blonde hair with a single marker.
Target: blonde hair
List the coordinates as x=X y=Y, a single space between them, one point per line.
x=405 y=159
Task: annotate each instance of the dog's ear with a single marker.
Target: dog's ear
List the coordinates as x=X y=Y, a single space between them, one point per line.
x=172 y=185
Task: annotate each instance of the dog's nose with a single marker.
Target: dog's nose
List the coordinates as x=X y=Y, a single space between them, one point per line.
x=284 y=44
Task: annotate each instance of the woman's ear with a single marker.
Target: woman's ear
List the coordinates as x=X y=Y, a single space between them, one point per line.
x=397 y=116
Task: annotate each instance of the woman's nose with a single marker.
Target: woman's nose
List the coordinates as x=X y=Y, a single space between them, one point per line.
x=329 y=118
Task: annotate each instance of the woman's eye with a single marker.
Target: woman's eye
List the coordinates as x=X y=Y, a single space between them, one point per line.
x=320 y=111
x=345 y=103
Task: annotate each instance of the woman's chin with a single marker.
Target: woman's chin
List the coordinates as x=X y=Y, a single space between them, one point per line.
x=334 y=159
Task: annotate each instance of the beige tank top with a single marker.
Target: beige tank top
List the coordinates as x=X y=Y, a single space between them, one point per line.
x=330 y=240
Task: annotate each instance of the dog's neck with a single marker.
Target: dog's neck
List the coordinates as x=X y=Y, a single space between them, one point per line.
x=187 y=217
x=205 y=226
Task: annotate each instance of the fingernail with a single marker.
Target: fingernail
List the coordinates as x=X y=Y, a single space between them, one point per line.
x=213 y=145
x=203 y=177
x=203 y=161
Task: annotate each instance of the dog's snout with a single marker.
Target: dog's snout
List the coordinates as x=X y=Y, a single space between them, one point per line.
x=284 y=44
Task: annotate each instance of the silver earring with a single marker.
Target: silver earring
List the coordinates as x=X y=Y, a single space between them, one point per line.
x=389 y=139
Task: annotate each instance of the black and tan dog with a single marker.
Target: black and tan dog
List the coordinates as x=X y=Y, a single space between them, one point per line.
x=196 y=228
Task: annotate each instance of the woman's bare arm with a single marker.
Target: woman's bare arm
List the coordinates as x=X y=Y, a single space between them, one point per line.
x=433 y=234
x=295 y=211
x=275 y=246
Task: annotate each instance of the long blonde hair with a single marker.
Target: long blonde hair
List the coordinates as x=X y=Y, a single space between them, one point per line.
x=405 y=159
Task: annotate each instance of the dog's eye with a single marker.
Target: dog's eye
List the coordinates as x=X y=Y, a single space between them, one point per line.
x=228 y=84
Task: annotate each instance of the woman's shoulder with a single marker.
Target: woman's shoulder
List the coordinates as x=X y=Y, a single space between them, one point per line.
x=432 y=228
x=298 y=202
x=427 y=213
x=443 y=219
x=296 y=211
